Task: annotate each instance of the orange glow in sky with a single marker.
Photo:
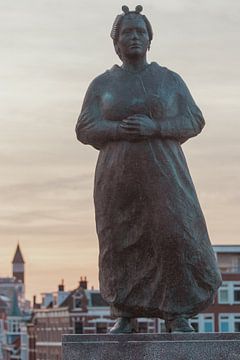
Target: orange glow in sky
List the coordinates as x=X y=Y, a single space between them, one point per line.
x=50 y=51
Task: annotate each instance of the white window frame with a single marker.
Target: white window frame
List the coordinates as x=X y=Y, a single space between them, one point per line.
x=224 y=287
x=236 y=286
x=200 y=319
x=232 y=318
x=75 y=298
x=230 y=286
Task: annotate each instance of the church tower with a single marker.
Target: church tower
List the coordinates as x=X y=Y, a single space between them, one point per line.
x=18 y=265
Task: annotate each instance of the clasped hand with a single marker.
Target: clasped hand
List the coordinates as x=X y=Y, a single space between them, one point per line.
x=138 y=127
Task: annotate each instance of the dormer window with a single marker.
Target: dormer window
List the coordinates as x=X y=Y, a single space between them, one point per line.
x=77 y=300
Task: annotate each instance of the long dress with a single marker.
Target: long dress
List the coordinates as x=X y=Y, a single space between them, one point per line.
x=155 y=256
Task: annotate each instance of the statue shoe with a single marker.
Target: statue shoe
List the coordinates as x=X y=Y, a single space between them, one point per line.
x=124 y=325
x=178 y=325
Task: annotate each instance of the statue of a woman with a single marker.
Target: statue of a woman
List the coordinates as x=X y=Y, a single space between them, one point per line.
x=155 y=257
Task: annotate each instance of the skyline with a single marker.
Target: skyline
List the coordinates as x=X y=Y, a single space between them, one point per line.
x=46 y=180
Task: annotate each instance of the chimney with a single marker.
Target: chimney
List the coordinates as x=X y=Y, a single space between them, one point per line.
x=83 y=282
x=35 y=304
x=61 y=286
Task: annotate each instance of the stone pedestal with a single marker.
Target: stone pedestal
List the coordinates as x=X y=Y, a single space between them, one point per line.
x=152 y=347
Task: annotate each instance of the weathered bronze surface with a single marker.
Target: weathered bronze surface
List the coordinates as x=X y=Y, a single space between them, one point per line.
x=155 y=257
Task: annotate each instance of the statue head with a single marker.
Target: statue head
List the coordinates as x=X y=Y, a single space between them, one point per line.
x=130 y=21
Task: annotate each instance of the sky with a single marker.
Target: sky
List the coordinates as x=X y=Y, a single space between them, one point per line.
x=50 y=51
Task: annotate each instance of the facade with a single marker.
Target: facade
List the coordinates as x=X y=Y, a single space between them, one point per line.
x=80 y=311
x=15 y=313
x=225 y=312
x=83 y=311
x=49 y=325
x=8 y=287
x=15 y=284
x=37 y=335
x=3 y=329
x=18 y=265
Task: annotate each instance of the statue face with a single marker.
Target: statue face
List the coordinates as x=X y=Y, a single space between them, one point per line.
x=133 y=40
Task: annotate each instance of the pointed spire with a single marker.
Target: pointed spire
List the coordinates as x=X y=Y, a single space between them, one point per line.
x=15 y=310
x=18 y=258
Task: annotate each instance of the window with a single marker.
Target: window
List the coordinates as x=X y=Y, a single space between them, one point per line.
x=77 y=302
x=195 y=323
x=101 y=328
x=208 y=323
x=203 y=323
x=161 y=326
x=229 y=293
x=224 y=327
x=208 y=327
x=229 y=323
x=15 y=326
x=78 y=327
x=224 y=323
x=237 y=326
x=223 y=294
x=195 y=326
x=236 y=293
x=142 y=327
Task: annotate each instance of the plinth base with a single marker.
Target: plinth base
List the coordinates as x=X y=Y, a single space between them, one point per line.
x=191 y=346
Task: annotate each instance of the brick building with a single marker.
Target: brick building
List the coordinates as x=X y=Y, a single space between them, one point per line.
x=83 y=311
x=225 y=313
x=80 y=311
x=15 y=312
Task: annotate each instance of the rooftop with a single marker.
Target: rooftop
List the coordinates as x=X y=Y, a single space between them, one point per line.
x=18 y=258
x=227 y=248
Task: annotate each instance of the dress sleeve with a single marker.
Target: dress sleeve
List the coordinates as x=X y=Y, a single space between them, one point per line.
x=187 y=120
x=91 y=128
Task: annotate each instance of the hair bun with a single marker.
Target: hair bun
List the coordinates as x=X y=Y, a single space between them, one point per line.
x=125 y=9
x=139 y=9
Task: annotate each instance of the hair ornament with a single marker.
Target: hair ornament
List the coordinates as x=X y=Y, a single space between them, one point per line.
x=125 y=9
x=138 y=9
x=119 y=18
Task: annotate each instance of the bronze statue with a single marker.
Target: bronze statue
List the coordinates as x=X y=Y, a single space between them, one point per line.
x=155 y=257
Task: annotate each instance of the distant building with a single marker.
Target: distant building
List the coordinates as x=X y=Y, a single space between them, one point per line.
x=14 y=333
x=15 y=284
x=3 y=329
x=81 y=311
x=224 y=314
x=14 y=338
x=18 y=265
